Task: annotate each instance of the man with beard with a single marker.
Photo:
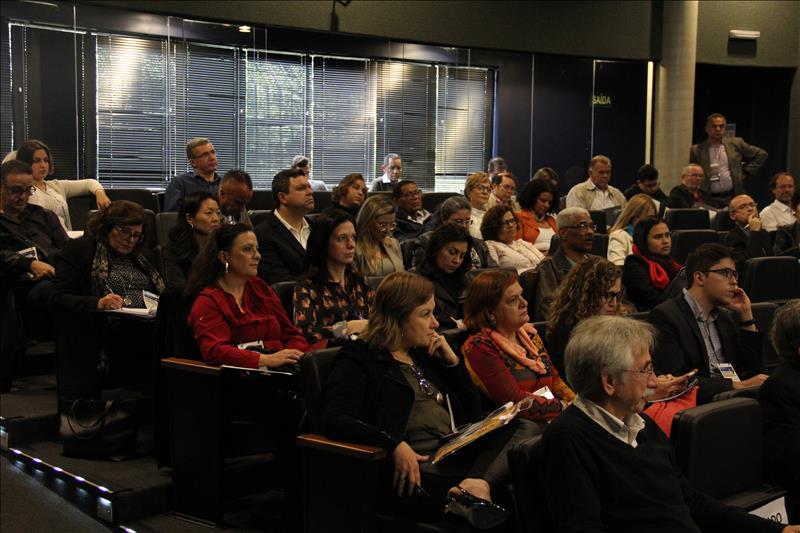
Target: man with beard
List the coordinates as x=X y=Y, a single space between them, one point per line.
x=779 y=213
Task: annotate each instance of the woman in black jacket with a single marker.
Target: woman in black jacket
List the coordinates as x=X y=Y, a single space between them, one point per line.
x=649 y=270
x=446 y=264
x=391 y=389
x=198 y=217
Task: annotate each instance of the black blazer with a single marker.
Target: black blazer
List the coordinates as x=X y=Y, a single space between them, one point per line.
x=368 y=400
x=639 y=288
x=752 y=244
x=282 y=256
x=681 y=198
x=72 y=285
x=786 y=238
x=680 y=347
x=780 y=402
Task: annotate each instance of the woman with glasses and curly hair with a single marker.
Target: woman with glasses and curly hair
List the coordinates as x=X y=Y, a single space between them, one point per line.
x=377 y=252
x=592 y=287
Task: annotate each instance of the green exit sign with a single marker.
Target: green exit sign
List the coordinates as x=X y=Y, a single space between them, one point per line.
x=601 y=100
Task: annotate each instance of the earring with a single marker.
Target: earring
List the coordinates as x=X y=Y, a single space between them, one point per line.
x=492 y=322
x=226 y=267
x=191 y=225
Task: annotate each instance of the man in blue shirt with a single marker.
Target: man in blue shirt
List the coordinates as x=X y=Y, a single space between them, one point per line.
x=203 y=158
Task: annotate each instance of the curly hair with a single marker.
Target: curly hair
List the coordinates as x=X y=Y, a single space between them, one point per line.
x=493 y=222
x=580 y=295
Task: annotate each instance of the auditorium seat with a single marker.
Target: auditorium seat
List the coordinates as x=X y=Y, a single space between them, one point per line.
x=771 y=278
x=723 y=221
x=600 y=221
x=407 y=249
x=692 y=218
x=160 y=199
x=285 y=291
x=257 y=216
x=764 y=312
x=143 y=197
x=703 y=437
x=431 y=200
x=322 y=200
x=686 y=240
x=525 y=461
x=262 y=199
x=164 y=223
x=79 y=208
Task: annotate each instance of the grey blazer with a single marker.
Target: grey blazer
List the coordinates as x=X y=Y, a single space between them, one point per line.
x=744 y=160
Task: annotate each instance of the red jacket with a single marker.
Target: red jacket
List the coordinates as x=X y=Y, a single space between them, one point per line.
x=219 y=325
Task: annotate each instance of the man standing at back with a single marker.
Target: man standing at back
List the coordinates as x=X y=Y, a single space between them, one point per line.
x=203 y=176
x=283 y=235
x=392 y=172
x=727 y=161
x=595 y=194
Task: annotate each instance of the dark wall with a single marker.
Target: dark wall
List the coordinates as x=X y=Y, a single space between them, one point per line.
x=778 y=22
x=613 y=29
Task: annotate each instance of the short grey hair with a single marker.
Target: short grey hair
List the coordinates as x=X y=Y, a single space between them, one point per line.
x=599 y=159
x=194 y=143
x=689 y=167
x=449 y=207
x=785 y=333
x=387 y=159
x=567 y=217
x=604 y=345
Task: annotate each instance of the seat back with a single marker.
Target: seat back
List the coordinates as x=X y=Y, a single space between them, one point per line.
x=431 y=200
x=600 y=220
x=262 y=199
x=723 y=221
x=314 y=370
x=257 y=216
x=692 y=218
x=686 y=240
x=160 y=199
x=455 y=338
x=79 y=208
x=764 y=312
x=529 y=281
x=285 y=291
x=718 y=446
x=771 y=278
x=143 y=197
x=164 y=223
x=525 y=461
x=407 y=249
x=322 y=200
x=172 y=335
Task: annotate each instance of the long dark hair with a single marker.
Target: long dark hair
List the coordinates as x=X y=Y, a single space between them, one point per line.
x=28 y=148
x=207 y=268
x=441 y=236
x=318 y=241
x=640 y=232
x=181 y=236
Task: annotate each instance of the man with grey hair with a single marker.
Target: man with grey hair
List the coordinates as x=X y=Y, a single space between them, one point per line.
x=203 y=177
x=392 y=172
x=302 y=163
x=606 y=467
x=689 y=193
x=576 y=233
x=780 y=404
x=595 y=193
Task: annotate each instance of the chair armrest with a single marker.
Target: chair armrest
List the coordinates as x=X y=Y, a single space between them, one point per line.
x=355 y=451
x=189 y=365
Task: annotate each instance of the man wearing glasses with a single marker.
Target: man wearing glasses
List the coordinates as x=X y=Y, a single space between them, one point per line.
x=727 y=161
x=710 y=327
x=412 y=219
x=202 y=157
x=748 y=238
x=576 y=235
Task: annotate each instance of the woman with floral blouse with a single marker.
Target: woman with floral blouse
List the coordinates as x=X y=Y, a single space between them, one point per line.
x=332 y=301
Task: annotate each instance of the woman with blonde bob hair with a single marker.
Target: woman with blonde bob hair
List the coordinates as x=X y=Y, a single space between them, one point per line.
x=377 y=252
x=477 y=189
x=393 y=388
x=507 y=359
x=620 y=238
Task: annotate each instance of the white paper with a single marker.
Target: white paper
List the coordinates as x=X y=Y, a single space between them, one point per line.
x=544 y=392
x=774 y=511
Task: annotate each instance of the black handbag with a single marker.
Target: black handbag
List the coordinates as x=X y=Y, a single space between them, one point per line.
x=99 y=429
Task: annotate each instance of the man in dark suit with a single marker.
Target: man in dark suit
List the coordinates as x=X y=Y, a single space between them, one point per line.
x=283 y=234
x=689 y=193
x=727 y=161
x=709 y=327
x=748 y=239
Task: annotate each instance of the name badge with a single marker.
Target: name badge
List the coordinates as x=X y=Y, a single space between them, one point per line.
x=248 y=345
x=728 y=372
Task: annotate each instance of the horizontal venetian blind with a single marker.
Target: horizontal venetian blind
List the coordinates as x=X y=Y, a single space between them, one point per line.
x=132 y=129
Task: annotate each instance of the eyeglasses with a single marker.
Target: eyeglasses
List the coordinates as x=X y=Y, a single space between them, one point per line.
x=387 y=226
x=428 y=388
x=20 y=190
x=510 y=222
x=412 y=194
x=647 y=370
x=466 y=222
x=727 y=273
x=748 y=205
x=583 y=226
x=127 y=235
x=508 y=188
x=482 y=188
x=613 y=296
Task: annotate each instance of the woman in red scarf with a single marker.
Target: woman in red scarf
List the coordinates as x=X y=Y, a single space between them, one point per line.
x=649 y=269
x=505 y=356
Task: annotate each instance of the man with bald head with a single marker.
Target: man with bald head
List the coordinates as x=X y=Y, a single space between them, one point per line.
x=748 y=238
x=576 y=233
x=689 y=193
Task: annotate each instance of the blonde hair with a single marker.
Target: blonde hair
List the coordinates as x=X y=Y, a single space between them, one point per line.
x=368 y=237
x=397 y=296
x=473 y=180
x=636 y=209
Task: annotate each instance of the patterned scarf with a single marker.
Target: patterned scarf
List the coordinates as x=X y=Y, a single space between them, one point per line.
x=526 y=355
x=100 y=267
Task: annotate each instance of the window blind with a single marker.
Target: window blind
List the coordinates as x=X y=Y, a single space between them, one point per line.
x=6 y=92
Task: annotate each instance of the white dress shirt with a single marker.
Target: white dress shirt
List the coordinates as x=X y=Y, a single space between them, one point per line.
x=775 y=215
x=624 y=430
x=302 y=235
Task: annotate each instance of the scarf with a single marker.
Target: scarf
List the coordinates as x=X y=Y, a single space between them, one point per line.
x=99 y=272
x=526 y=355
x=658 y=274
